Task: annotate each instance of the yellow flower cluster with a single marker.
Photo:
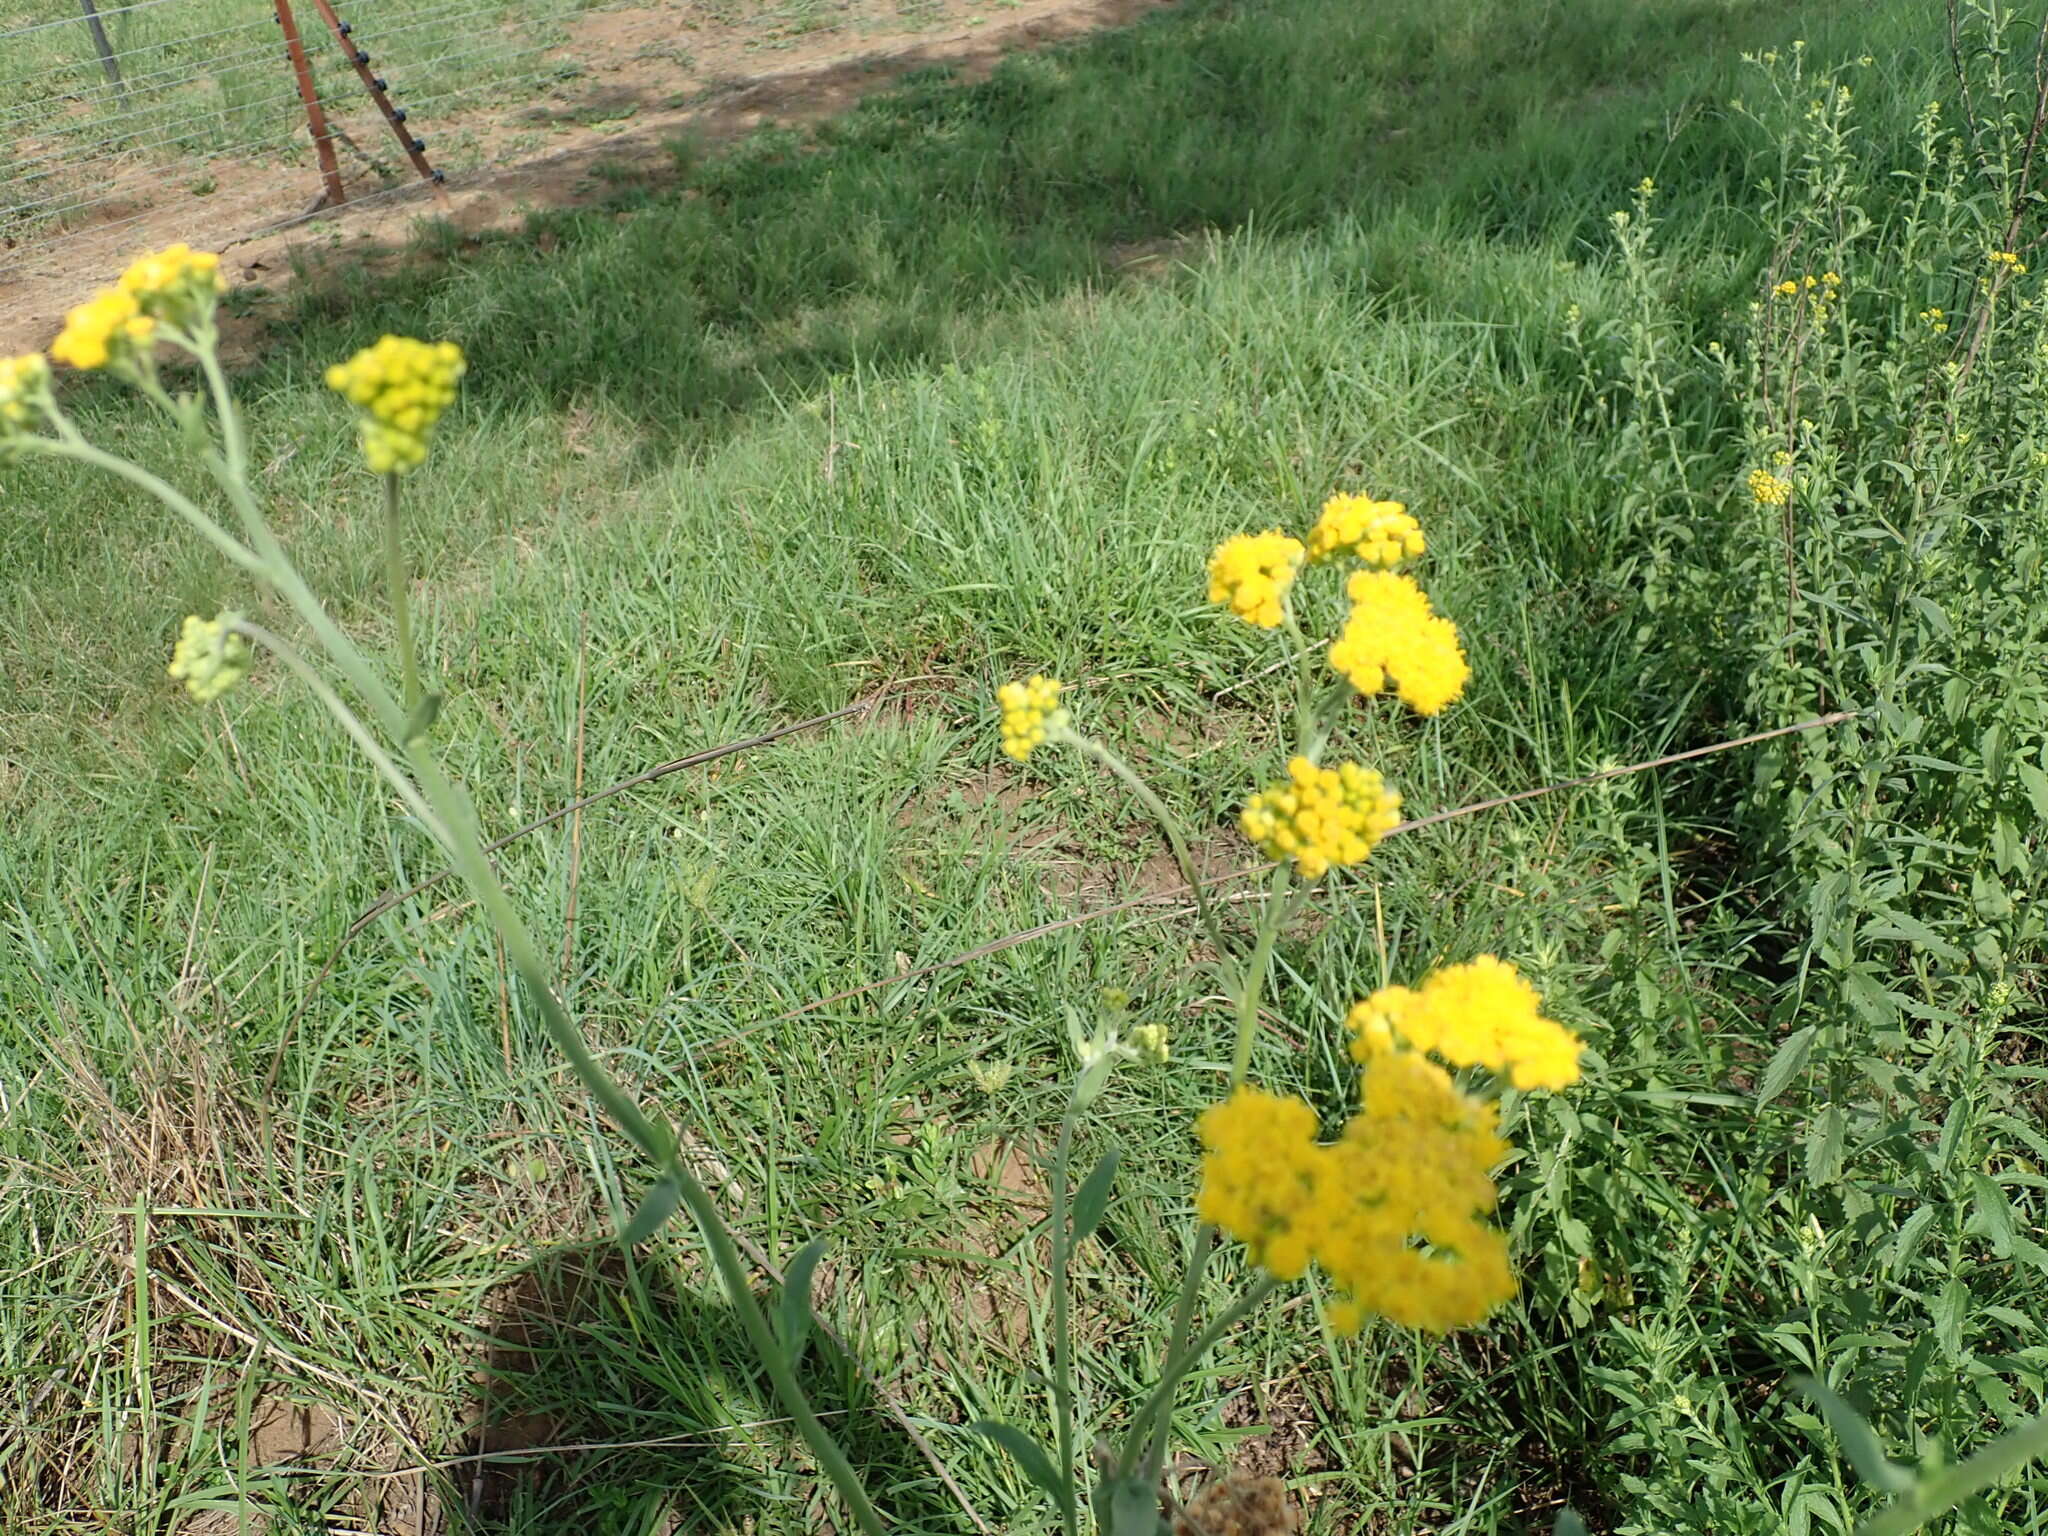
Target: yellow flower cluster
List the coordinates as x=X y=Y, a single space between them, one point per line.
x=1031 y=713
x=108 y=328
x=1393 y=1210
x=1479 y=1014
x=1830 y=284
x=1935 y=320
x=24 y=391
x=210 y=658
x=2009 y=260
x=1377 y=532
x=402 y=386
x=1321 y=816
x=1392 y=632
x=1252 y=572
x=1769 y=490
x=177 y=285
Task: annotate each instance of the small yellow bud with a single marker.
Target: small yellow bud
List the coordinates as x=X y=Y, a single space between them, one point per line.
x=210 y=658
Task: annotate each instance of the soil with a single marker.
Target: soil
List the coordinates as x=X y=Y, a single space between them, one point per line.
x=648 y=76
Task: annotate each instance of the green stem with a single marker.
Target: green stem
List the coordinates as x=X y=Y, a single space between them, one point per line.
x=230 y=470
x=657 y=1141
x=1168 y=823
x=233 y=440
x=400 y=593
x=283 y=575
x=352 y=724
x=442 y=809
x=1252 y=984
x=1154 y=1442
x=71 y=446
x=1158 y=1408
x=1062 y=1332
x=1304 y=687
x=1251 y=988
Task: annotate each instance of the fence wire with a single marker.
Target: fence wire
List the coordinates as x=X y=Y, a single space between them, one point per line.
x=103 y=106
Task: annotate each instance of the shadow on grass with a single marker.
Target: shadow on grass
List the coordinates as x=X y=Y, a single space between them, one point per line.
x=871 y=239
x=617 y=1400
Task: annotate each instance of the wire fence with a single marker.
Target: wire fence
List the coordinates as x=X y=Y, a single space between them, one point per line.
x=105 y=108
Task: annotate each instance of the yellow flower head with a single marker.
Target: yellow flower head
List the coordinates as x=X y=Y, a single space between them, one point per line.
x=1031 y=714
x=24 y=392
x=1252 y=572
x=401 y=386
x=209 y=658
x=177 y=285
x=1413 y=1165
x=2010 y=260
x=1769 y=490
x=1787 y=289
x=1392 y=634
x=1480 y=1014
x=109 y=328
x=1262 y=1176
x=1321 y=816
x=1377 y=532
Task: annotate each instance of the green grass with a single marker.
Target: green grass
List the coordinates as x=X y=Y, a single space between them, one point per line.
x=883 y=414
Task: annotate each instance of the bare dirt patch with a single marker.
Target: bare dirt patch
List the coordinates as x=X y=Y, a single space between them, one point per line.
x=647 y=76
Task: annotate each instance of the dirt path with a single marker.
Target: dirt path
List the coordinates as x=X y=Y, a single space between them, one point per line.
x=648 y=75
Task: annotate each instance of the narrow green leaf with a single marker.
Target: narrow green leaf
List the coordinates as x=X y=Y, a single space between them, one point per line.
x=1091 y=1200
x=1897 y=925
x=1026 y=1452
x=1785 y=1065
x=1947 y=1311
x=1906 y=1245
x=1824 y=1138
x=2036 y=783
x=1946 y=1490
x=793 y=1310
x=1991 y=1214
x=656 y=1206
x=423 y=718
x=1132 y=1506
x=1859 y=1440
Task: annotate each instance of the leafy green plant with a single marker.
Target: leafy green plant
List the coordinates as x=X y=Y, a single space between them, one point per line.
x=1870 y=540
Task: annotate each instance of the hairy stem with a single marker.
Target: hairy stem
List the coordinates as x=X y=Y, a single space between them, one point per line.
x=399 y=591
x=1158 y=1408
x=351 y=725
x=1168 y=823
x=445 y=812
x=1062 y=1332
x=1251 y=988
x=657 y=1140
x=68 y=445
x=1148 y=1433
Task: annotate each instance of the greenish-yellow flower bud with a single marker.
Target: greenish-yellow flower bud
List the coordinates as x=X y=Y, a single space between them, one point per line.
x=1148 y=1044
x=210 y=657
